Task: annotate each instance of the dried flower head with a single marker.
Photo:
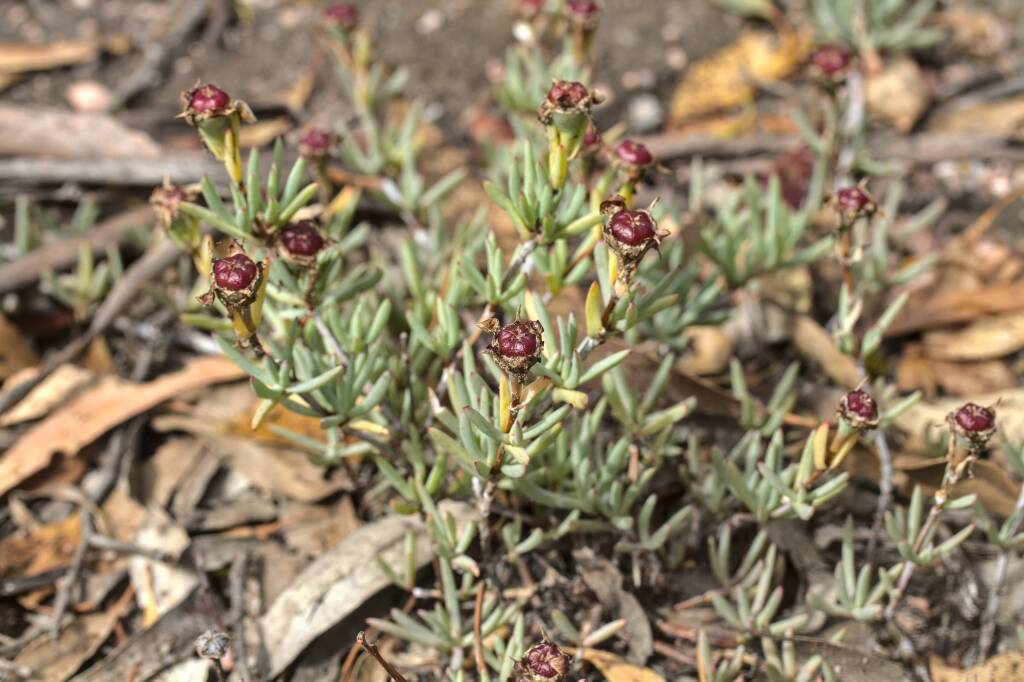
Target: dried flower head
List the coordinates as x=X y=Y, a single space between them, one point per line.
x=853 y=203
x=342 y=15
x=975 y=423
x=236 y=280
x=166 y=201
x=859 y=410
x=516 y=347
x=301 y=242
x=630 y=233
x=831 y=62
x=582 y=11
x=567 y=103
x=634 y=154
x=212 y=644
x=204 y=102
x=316 y=143
x=543 y=662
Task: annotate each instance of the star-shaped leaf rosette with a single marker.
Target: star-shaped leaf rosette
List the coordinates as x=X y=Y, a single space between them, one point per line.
x=218 y=118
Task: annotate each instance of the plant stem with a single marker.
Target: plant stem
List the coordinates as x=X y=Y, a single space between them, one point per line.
x=373 y=651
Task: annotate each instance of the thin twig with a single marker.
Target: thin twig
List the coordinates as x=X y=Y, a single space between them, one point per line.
x=238 y=574
x=478 y=640
x=69 y=583
x=988 y=618
x=884 y=491
x=372 y=650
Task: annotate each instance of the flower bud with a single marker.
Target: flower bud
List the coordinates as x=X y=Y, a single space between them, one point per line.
x=530 y=8
x=975 y=423
x=342 y=15
x=516 y=347
x=591 y=138
x=543 y=662
x=181 y=227
x=859 y=410
x=301 y=242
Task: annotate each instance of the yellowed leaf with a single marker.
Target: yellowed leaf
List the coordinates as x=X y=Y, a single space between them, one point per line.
x=263 y=133
x=813 y=342
x=1003 y=668
x=615 y=669
x=99 y=409
x=728 y=78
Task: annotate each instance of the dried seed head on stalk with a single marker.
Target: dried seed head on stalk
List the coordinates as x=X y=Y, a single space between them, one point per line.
x=634 y=154
x=630 y=233
x=342 y=15
x=543 y=662
x=974 y=423
x=859 y=410
x=236 y=279
x=566 y=102
x=853 y=203
x=316 y=143
x=300 y=242
x=831 y=62
x=516 y=347
x=212 y=644
x=166 y=201
x=583 y=12
x=204 y=102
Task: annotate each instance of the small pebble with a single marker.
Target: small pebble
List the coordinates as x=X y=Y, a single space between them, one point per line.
x=88 y=96
x=645 y=113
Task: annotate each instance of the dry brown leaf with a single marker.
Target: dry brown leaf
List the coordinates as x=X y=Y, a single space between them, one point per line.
x=15 y=351
x=898 y=94
x=957 y=306
x=1007 y=667
x=615 y=669
x=727 y=79
x=990 y=482
x=24 y=57
x=813 y=342
x=41 y=549
x=1002 y=118
x=917 y=372
x=56 y=660
x=974 y=30
x=38 y=131
x=159 y=587
x=983 y=339
x=54 y=390
x=99 y=409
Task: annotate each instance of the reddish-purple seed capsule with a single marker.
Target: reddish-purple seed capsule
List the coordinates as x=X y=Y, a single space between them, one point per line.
x=852 y=199
x=861 y=405
x=234 y=273
x=582 y=10
x=545 y=661
x=568 y=94
x=634 y=228
x=831 y=59
x=302 y=239
x=592 y=137
x=634 y=153
x=315 y=142
x=208 y=99
x=517 y=340
x=974 y=418
x=342 y=14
